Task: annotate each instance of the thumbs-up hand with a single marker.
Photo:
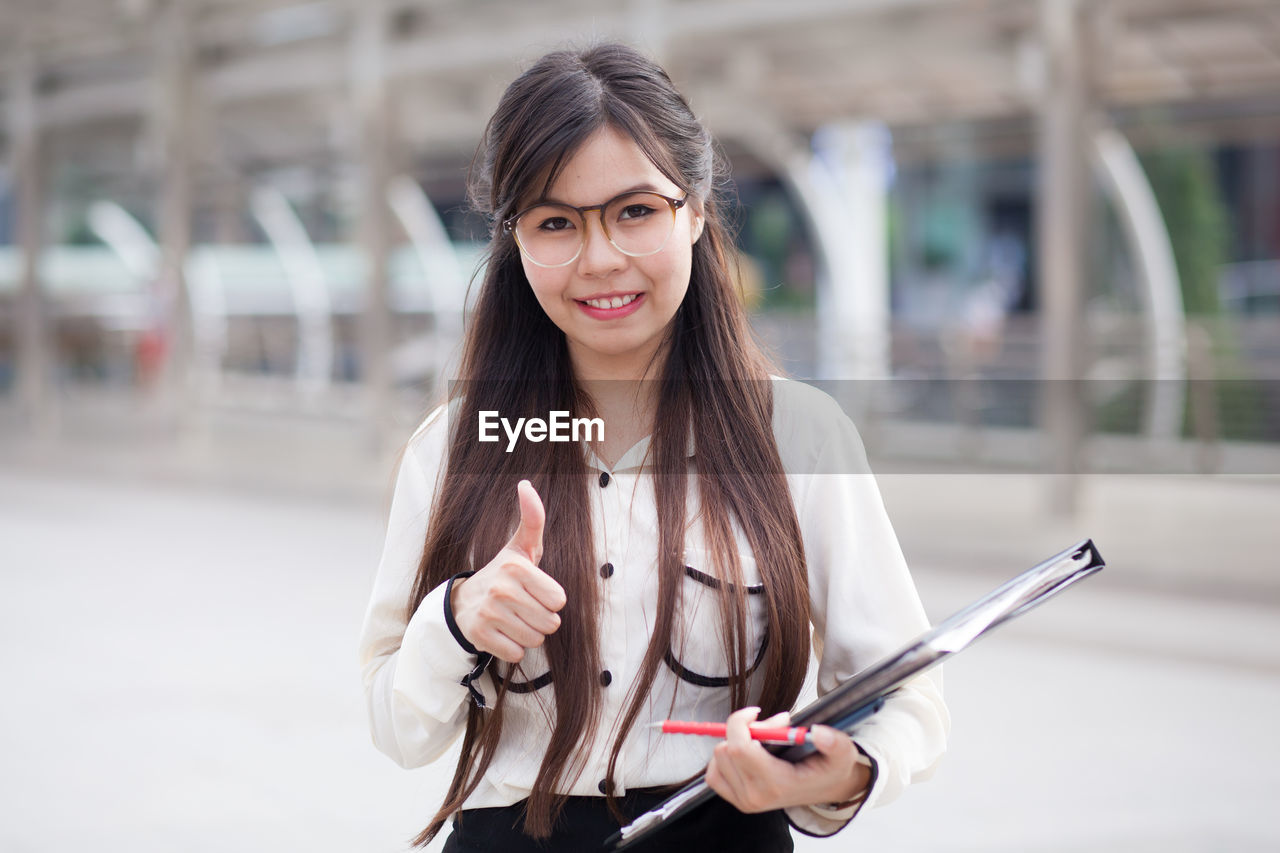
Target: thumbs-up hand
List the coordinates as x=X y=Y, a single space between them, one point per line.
x=511 y=605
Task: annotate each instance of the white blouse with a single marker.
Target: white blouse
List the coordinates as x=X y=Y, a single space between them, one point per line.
x=863 y=605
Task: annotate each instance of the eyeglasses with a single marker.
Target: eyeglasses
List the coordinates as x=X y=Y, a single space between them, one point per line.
x=637 y=224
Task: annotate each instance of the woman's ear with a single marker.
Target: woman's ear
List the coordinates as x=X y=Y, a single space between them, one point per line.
x=699 y=221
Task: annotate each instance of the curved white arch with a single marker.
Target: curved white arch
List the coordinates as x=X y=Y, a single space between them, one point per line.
x=1130 y=191
x=140 y=254
x=307 y=283
x=125 y=235
x=446 y=286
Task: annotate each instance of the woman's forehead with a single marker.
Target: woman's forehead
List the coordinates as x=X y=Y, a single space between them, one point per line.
x=605 y=165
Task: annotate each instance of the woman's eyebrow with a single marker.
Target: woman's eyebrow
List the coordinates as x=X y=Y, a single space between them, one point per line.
x=638 y=188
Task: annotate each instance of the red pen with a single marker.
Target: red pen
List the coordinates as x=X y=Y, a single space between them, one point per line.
x=782 y=734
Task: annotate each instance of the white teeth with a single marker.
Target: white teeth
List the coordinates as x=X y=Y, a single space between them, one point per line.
x=615 y=302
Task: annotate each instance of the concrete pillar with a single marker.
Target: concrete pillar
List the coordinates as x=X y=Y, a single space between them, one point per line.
x=174 y=93
x=372 y=107
x=853 y=310
x=1062 y=185
x=35 y=392
x=230 y=201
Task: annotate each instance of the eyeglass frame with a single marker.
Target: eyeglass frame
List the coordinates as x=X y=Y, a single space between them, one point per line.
x=509 y=225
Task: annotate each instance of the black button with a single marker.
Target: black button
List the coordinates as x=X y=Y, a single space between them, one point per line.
x=606 y=678
x=606 y=571
x=604 y=479
x=605 y=786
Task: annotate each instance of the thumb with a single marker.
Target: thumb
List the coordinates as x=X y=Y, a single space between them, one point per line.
x=826 y=739
x=528 y=536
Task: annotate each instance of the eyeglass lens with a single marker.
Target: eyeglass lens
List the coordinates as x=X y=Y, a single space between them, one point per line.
x=637 y=224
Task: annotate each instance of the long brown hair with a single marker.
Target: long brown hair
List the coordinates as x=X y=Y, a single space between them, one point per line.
x=714 y=385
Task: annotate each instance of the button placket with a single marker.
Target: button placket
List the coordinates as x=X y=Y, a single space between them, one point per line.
x=613 y=504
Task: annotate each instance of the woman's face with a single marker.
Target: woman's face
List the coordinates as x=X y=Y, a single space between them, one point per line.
x=614 y=342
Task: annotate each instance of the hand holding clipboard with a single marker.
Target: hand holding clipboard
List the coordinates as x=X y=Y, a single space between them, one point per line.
x=865 y=693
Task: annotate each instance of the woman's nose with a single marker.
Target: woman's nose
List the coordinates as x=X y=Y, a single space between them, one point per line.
x=599 y=256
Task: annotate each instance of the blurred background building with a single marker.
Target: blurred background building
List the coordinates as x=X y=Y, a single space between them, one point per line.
x=231 y=204
x=1033 y=244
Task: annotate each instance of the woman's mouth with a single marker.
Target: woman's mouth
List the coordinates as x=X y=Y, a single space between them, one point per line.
x=611 y=307
x=615 y=302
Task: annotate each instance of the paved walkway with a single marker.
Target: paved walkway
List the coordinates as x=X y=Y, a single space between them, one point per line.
x=182 y=675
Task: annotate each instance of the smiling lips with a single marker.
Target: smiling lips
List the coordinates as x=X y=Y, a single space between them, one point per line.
x=611 y=307
x=615 y=302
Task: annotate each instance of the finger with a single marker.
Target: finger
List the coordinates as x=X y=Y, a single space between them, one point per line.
x=716 y=780
x=829 y=741
x=528 y=536
x=516 y=628
x=498 y=644
x=737 y=727
x=779 y=720
x=730 y=784
x=528 y=584
x=543 y=588
x=531 y=612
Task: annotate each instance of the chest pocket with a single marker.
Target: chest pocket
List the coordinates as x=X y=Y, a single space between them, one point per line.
x=531 y=674
x=697 y=653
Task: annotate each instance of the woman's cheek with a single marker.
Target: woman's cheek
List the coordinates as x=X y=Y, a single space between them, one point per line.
x=548 y=293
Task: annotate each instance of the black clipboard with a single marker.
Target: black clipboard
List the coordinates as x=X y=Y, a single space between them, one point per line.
x=864 y=694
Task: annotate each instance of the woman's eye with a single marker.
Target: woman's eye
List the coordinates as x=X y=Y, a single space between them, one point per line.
x=635 y=211
x=555 y=223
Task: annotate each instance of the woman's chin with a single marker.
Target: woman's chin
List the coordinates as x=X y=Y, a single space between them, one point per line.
x=613 y=355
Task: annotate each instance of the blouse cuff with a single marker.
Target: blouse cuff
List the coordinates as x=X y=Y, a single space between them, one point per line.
x=434 y=664
x=821 y=821
x=483 y=659
x=448 y=614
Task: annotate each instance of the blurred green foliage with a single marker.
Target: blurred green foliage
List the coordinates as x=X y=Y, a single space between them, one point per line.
x=1185 y=184
x=1221 y=401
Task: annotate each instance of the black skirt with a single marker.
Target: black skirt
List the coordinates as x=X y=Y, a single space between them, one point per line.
x=586 y=823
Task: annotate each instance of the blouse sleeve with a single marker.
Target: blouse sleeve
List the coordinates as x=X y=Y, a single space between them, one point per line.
x=414 y=670
x=864 y=606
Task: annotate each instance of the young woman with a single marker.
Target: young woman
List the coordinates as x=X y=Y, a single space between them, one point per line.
x=548 y=600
